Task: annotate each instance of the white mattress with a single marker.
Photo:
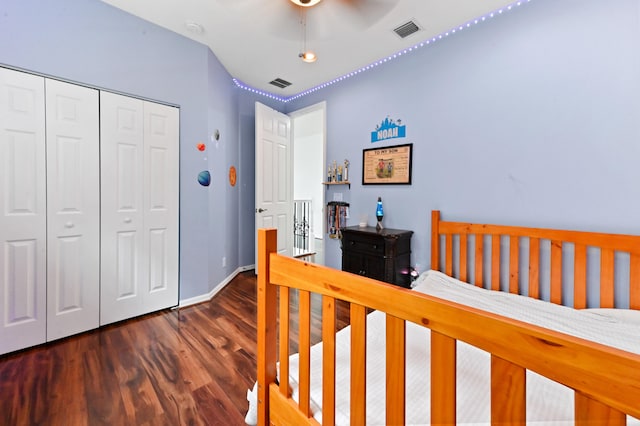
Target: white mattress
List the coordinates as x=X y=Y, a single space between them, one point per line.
x=547 y=402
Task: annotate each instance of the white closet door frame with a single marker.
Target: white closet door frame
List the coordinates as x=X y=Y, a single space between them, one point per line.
x=73 y=209
x=22 y=211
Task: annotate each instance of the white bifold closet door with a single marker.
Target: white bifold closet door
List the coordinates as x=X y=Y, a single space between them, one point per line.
x=139 y=207
x=23 y=214
x=73 y=209
x=49 y=210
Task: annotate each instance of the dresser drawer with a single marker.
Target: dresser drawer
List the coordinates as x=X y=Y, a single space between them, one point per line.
x=363 y=244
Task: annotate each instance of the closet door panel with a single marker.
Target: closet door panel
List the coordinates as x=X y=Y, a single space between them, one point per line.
x=73 y=209
x=22 y=211
x=139 y=168
x=161 y=204
x=124 y=268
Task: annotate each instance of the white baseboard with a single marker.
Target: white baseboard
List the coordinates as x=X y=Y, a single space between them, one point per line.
x=207 y=297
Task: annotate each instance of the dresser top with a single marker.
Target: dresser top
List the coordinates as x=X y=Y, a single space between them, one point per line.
x=385 y=232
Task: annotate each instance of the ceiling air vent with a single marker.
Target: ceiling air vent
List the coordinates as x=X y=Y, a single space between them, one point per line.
x=407 y=29
x=278 y=82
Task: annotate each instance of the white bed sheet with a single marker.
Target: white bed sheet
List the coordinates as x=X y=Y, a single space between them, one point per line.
x=547 y=402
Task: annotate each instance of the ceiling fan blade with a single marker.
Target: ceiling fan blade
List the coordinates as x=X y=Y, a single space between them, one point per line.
x=280 y=18
x=283 y=19
x=331 y=16
x=365 y=13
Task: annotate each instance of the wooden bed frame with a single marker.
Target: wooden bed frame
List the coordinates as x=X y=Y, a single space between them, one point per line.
x=606 y=380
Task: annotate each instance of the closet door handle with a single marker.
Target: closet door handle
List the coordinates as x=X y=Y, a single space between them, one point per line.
x=127 y=220
x=68 y=224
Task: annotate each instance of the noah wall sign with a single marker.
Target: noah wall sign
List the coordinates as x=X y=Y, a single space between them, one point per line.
x=388 y=129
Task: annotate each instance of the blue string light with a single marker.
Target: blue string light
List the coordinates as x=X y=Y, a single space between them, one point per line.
x=405 y=51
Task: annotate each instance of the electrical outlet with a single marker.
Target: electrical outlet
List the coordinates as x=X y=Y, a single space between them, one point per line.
x=224 y=261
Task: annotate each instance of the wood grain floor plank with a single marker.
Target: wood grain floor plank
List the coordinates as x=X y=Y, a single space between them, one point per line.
x=188 y=366
x=66 y=383
x=214 y=409
x=138 y=396
x=102 y=390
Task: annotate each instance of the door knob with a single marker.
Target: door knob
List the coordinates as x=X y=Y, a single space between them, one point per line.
x=127 y=220
x=68 y=224
x=260 y=210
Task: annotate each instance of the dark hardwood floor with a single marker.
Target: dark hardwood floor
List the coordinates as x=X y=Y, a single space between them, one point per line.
x=184 y=366
x=188 y=366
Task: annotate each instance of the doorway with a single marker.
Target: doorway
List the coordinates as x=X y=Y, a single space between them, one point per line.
x=308 y=136
x=290 y=157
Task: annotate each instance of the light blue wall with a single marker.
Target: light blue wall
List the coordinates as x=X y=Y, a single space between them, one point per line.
x=532 y=118
x=90 y=42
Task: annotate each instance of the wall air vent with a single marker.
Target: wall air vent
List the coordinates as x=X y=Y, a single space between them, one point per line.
x=278 y=82
x=407 y=29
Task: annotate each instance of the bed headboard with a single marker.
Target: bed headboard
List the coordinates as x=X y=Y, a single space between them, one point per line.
x=606 y=380
x=533 y=261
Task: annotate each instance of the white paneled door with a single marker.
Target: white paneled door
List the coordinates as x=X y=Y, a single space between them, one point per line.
x=122 y=208
x=161 y=189
x=89 y=208
x=73 y=209
x=274 y=172
x=139 y=235
x=22 y=211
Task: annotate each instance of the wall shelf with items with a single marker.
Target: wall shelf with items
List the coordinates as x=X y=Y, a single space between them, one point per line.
x=344 y=182
x=337 y=174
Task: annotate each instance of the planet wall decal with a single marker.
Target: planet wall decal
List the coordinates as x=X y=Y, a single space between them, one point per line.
x=232 y=176
x=204 y=178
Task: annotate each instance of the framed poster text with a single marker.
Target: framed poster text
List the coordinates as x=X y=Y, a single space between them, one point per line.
x=390 y=165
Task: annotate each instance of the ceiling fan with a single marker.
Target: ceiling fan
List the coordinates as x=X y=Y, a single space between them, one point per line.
x=281 y=18
x=305 y=3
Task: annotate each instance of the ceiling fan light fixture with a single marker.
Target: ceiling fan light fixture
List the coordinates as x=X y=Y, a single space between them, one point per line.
x=308 y=56
x=305 y=3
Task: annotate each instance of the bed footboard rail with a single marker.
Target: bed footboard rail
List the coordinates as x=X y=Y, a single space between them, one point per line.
x=533 y=261
x=606 y=380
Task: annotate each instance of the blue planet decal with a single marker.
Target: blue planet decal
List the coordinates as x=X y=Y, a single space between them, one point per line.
x=204 y=178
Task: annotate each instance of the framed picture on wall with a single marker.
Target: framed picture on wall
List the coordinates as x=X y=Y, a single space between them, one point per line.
x=390 y=165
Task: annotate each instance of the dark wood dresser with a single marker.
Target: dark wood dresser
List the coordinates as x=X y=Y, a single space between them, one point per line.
x=383 y=255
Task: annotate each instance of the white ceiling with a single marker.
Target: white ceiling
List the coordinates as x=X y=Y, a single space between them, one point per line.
x=258 y=41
